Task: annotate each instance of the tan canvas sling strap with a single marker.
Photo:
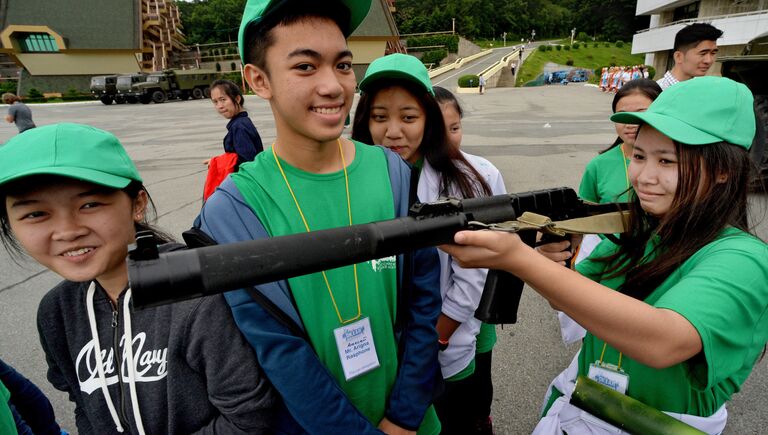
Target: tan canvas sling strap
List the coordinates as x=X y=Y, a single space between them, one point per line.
x=605 y=223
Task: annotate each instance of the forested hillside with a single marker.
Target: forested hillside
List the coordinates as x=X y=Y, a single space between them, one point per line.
x=207 y=21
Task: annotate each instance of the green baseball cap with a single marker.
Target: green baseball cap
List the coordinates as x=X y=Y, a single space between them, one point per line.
x=700 y=111
x=256 y=10
x=69 y=150
x=397 y=66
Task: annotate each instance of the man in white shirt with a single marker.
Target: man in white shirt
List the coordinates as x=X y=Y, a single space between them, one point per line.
x=695 y=51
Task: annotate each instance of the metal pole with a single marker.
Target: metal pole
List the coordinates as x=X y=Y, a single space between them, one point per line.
x=453 y=26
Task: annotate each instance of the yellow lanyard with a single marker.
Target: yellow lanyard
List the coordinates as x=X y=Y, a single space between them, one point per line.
x=624 y=160
x=304 y=220
x=602 y=354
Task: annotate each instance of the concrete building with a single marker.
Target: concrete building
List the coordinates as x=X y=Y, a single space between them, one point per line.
x=59 y=45
x=375 y=37
x=740 y=21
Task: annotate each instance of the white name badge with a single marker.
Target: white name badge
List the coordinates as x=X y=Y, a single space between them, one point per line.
x=610 y=376
x=356 y=348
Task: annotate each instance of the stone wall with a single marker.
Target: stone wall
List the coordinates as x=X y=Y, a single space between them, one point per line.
x=467 y=48
x=53 y=84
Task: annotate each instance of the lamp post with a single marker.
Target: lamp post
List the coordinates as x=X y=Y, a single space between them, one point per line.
x=453 y=26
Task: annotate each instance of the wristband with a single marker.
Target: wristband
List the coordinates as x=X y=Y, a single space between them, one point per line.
x=442 y=344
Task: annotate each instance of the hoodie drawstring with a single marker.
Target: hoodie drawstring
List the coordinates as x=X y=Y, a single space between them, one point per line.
x=99 y=363
x=131 y=367
x=129 y=354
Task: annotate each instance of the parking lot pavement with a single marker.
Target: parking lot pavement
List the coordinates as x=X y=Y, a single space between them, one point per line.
x=538 y=137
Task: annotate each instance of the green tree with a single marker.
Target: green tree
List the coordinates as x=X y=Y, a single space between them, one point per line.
x=209 y=21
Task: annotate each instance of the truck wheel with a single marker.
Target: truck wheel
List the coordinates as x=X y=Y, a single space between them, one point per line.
x=145 y=99
x=106 y=100
x=207 y=92
x=197 y=93
x=159 y=97
x=119 y=100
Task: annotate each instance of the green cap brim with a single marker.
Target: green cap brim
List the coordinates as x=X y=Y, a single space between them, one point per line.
x=82 y=174
x=673 y=128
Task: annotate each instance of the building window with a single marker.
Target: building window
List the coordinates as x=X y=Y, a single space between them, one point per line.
x=37 y=43
x=686 y=12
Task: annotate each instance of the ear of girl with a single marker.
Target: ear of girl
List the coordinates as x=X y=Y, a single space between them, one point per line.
x=72 y=199
x=687 y=281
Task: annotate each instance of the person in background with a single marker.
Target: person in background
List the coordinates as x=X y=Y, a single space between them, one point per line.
x=398 y=109
x=480 y=397
x=694 y=52
x=605 y=178
x=18 y=113
x=242 y=137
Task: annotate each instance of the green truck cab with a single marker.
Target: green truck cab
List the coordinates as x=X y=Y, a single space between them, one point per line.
x=104 y=88
x=173 y=84
x=751 y=68
x=124 y=86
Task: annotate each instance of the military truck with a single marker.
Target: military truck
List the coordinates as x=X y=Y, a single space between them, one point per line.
x=103 y=88
x=751 y=68
x=171 y=84
x=124 y=84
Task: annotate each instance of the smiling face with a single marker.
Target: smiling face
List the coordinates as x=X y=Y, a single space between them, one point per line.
x=695 y=62
x=654 y=171
x=636 y=102
x=223 y=103
x=79 y=230
x=452 y=119
x=308 y=81
x=397 y=122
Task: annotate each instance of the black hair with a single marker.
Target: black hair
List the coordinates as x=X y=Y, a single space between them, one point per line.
x=647 y=87
x=447 y=160
x=690 y=36
x=231 y=90
x=24 y=184
x=444 y=96
x=258 y=36
x=702 y=207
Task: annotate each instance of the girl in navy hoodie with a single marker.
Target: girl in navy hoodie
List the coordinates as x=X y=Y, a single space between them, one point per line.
x=73 y=200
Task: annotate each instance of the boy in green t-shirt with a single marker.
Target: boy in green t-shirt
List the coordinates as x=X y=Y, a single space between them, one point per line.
x=353 y=349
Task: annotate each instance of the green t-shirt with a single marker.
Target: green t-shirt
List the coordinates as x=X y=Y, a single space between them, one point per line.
x=7 y=424
x=323 y=201
x=605 y=179
x=722 y=290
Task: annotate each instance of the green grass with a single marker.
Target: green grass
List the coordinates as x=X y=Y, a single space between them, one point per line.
x=499 y=43
x=587 y=58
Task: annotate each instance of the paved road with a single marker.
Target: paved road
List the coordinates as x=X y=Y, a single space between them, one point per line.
x=538 y=137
